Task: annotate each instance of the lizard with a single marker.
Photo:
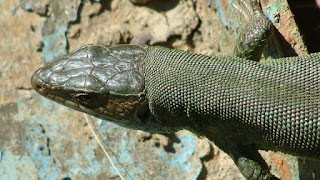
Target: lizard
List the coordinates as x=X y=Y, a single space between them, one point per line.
x=238 y=103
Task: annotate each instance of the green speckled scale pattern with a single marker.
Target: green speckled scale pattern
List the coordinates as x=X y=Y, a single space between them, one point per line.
x=277 y=101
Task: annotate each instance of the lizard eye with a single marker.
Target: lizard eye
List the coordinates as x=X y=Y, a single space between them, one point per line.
x=83 y=98
x=91 y=100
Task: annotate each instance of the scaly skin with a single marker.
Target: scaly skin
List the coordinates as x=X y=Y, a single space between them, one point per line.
x=276 y=103
x=239 y=104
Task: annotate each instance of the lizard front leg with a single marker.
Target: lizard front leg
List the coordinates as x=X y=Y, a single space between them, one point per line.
x=250 y=45
x=253 y=38
x=250 y=163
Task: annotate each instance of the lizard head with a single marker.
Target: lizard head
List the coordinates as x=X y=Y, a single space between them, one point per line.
x=103 y=81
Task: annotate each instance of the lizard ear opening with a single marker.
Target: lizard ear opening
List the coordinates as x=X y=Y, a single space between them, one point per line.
x=143 y=110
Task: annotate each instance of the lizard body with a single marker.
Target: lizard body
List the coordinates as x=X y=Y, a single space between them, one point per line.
x=238 y=103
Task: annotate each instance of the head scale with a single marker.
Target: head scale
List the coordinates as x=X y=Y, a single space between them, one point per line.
x=103 y=81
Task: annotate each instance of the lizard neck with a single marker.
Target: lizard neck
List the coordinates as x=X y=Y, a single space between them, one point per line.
x=177 y=87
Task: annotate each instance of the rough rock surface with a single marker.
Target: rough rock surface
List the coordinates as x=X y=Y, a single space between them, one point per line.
x=40 y=139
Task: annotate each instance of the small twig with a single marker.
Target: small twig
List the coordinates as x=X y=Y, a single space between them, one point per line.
x=100 y=140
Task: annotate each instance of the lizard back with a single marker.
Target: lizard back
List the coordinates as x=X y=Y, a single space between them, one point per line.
x=277 y=102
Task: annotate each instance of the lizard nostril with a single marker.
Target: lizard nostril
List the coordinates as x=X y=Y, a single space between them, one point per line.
x=37 y=84
x=39 y=87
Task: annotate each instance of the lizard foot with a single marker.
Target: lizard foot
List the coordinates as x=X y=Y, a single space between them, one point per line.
x=256 y=33
x=253 y=170
x=250 y=163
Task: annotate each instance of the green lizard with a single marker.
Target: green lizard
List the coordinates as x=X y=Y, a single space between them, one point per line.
x=236 y=102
